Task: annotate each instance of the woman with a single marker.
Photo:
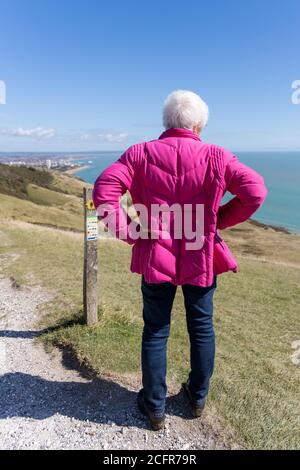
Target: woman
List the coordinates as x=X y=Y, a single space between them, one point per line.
x=180 y=172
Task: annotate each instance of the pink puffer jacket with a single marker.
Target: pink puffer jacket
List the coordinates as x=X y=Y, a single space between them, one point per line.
x=178 y=168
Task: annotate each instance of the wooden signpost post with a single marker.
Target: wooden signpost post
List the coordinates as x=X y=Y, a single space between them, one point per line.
x=90 y=268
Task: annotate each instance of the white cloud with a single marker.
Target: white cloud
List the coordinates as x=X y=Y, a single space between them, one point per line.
x=119 y=137
x=114 y=137
x=38 y=133
x=90 y=136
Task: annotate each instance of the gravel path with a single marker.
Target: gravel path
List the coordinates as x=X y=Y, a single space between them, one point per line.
x=48 y=402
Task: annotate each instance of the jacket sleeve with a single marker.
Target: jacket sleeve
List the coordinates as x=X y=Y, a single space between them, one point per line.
x=248 y=188
x=110 y=185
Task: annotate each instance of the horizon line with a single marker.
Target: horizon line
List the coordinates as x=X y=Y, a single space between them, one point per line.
x=123 y=150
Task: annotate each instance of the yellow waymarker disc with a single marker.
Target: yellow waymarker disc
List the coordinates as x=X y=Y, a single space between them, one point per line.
x=90 y=204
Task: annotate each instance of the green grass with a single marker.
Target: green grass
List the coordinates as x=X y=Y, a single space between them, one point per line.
x=46 y=197
x=255 y=388
x=67 y=184
x=69 y=216
x=14 y=181
x=41 y=197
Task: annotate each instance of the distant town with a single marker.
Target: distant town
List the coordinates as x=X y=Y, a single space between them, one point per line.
x=61 y=162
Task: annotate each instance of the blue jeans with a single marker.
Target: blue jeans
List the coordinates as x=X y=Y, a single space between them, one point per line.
x=157 y=305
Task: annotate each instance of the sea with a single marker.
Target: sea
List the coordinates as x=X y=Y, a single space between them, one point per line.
x=281 y=172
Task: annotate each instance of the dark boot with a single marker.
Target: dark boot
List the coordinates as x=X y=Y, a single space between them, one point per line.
x=196 y=409
x=157 y=421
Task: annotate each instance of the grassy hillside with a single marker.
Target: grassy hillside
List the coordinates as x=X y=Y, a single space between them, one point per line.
x=39 y=196
x=256 y=386
x=15 y=180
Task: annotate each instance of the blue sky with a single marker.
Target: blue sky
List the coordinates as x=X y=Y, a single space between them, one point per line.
x=92 y=75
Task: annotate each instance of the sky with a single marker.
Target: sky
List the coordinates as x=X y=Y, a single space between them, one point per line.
x=93 y=75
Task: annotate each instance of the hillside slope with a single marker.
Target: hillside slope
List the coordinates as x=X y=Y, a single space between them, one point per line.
x=42 y=197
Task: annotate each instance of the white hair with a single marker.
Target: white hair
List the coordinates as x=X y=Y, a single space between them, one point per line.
x=184 y=109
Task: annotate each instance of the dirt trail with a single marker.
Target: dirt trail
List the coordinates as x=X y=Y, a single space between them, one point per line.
x=48 y=402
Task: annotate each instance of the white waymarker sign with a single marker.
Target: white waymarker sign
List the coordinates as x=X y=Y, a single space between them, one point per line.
x=91 y=227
